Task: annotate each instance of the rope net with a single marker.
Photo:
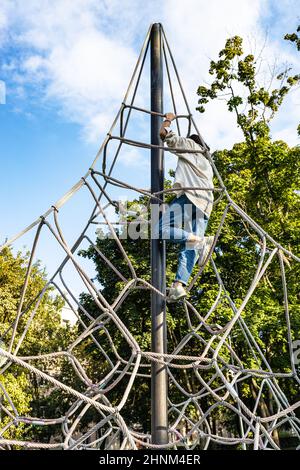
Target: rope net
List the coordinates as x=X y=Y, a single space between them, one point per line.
x=220 y=378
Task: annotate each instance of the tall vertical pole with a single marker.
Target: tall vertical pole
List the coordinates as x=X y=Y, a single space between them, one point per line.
x=159 y=387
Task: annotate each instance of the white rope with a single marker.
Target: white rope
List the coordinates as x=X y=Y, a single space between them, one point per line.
x=221 y=389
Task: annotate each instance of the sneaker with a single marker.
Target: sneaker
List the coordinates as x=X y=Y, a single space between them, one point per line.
x=204 y=249
x=176 y=292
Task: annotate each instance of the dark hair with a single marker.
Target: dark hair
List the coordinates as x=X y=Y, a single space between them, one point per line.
x=195 y=138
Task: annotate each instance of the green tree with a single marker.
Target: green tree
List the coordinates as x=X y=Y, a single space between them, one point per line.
x=236 y=82
x=294 y=38
x=45 y=334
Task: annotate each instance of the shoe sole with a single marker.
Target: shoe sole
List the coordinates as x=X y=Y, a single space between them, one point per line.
x=173 y=301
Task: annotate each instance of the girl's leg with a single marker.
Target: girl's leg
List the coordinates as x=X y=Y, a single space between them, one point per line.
x=171 y=222
x=187 y=258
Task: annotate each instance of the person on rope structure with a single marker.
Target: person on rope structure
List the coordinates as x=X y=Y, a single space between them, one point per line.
x=186 y=217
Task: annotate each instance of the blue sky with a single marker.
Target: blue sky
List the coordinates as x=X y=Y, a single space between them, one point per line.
x=66 y=65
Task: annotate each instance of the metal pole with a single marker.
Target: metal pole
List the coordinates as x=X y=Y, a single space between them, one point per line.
x=159 y=384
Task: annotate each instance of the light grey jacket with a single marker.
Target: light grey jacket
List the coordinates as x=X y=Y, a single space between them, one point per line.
x=193 y=170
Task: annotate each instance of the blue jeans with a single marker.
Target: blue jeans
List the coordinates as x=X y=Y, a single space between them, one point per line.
x=182 y=213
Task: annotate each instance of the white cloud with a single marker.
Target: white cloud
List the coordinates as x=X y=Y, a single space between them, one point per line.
x=80 y=53
x=77 y=66
x=89 y=78
x=133 y=158
x=3 y=23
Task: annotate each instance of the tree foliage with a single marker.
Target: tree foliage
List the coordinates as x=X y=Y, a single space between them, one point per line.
x=46 y=334
x=295 y=38
x=236 y=81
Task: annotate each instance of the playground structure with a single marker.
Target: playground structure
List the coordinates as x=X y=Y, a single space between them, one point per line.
x=216 y=347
